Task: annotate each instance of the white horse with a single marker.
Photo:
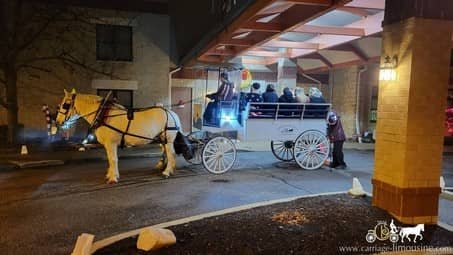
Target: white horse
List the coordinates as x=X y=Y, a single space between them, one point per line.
x=149 y=123
x=405 y=232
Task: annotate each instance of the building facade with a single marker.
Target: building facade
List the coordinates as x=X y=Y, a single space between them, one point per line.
x=126 y=52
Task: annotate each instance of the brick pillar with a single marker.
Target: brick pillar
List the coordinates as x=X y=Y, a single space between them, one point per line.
x=408 y=155
x=286 y=75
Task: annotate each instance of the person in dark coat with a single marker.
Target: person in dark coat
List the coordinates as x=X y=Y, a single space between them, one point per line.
x=224 y=93
x=336 y=135
x=254 y=96
x=287 y=96
x=270 y=96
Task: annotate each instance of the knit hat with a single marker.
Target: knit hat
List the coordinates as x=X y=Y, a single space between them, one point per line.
x=256 y=86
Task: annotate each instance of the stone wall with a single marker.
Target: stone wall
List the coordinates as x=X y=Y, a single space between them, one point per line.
x=149 y=69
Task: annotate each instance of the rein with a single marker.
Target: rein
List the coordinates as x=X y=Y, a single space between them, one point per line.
x=99 y=123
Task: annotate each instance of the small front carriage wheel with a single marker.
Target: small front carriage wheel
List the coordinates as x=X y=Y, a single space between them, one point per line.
x=311 y=149
x=219 y=155
x=283 y=150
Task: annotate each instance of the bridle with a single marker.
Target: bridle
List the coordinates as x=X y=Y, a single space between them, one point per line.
x=66 y=107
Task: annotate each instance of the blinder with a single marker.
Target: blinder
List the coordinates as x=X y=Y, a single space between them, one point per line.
x=67 y=106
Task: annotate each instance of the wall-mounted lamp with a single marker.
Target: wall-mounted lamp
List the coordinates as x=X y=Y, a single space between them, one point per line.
x=387 y=71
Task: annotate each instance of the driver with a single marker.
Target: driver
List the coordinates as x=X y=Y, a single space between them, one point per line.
x=224 y=93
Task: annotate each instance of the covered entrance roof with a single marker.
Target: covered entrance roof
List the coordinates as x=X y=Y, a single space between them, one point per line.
x=315 y=34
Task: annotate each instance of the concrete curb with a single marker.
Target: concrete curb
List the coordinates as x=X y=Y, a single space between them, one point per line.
x=36 y=163
x=110 y=240
x=448 y=195
x=7 y=167
x=30 y=163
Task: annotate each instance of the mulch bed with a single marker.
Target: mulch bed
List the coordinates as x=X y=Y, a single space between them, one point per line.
x=316 y=225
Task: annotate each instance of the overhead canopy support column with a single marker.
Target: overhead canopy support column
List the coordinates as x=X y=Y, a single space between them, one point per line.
x=411 y=112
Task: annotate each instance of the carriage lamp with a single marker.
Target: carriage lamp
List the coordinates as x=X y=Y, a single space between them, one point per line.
x=387 y=70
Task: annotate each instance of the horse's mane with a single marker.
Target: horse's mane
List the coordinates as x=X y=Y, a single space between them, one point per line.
x=92 y=99
x=89 y=99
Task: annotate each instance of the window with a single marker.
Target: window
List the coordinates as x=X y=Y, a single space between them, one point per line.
x=123 y=97
x=113 y=43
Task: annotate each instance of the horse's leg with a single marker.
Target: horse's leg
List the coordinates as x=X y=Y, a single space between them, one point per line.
x=171 y=159
x=162 y=162
x=112 y=171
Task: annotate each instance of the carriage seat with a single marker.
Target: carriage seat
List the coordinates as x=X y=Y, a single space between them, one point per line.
x=288 y=111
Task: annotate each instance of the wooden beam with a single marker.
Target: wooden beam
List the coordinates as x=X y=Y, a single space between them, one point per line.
x=351 y=48
x=330 y=30
x=223 y=52
x=343 y=65
x=262 y=53
x=289 y=44
x=213 y=59
x=310 y=2
x=248 y=14
x=264 y=61
x=237 y=42
x=354 y=10
x=368 y=4
x=318 y=56
x=265 y=27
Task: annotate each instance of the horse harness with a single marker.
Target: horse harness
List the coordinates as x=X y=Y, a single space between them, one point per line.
x=101 y=115
x=130 y=117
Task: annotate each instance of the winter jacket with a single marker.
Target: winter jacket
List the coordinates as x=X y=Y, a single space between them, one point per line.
x=270 y=97
x=287 y=97
x=336 y=132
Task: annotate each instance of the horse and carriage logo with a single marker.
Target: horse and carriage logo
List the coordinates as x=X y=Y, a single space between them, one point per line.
x=391 y=232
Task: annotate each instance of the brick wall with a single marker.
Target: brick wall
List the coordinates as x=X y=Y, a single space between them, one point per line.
x=343 y=85
x=150 y=67
x=344 y=82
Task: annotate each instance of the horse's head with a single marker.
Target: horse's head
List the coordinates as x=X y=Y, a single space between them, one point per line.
x=422 y=227
x=66 y=109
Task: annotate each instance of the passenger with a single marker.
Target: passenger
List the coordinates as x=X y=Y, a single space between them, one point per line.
x=300 y=96
x=270 y=96
x=337 y=137
x=316 y=96
x=254 y=95
x=287 y=96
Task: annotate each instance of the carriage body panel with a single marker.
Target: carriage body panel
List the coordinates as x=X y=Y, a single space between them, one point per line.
x=279 y=129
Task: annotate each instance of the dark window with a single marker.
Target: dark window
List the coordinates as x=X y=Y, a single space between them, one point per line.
x=113 y=43
x=122 y=97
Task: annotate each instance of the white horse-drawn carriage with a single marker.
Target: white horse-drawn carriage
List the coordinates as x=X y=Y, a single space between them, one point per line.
x=295 y=132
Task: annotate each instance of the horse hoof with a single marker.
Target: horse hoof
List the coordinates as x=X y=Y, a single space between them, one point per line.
x=113 y=181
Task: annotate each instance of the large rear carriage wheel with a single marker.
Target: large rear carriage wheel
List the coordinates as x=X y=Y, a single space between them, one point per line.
x=283 y=150
x=219 y=155
x=311 y=149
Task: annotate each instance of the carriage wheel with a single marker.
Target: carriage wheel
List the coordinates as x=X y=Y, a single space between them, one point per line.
x=311 y=149
x=219 y=155
x=196 y=160
x=283 y=150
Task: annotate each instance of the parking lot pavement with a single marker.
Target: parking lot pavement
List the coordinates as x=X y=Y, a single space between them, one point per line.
x=45 y=209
